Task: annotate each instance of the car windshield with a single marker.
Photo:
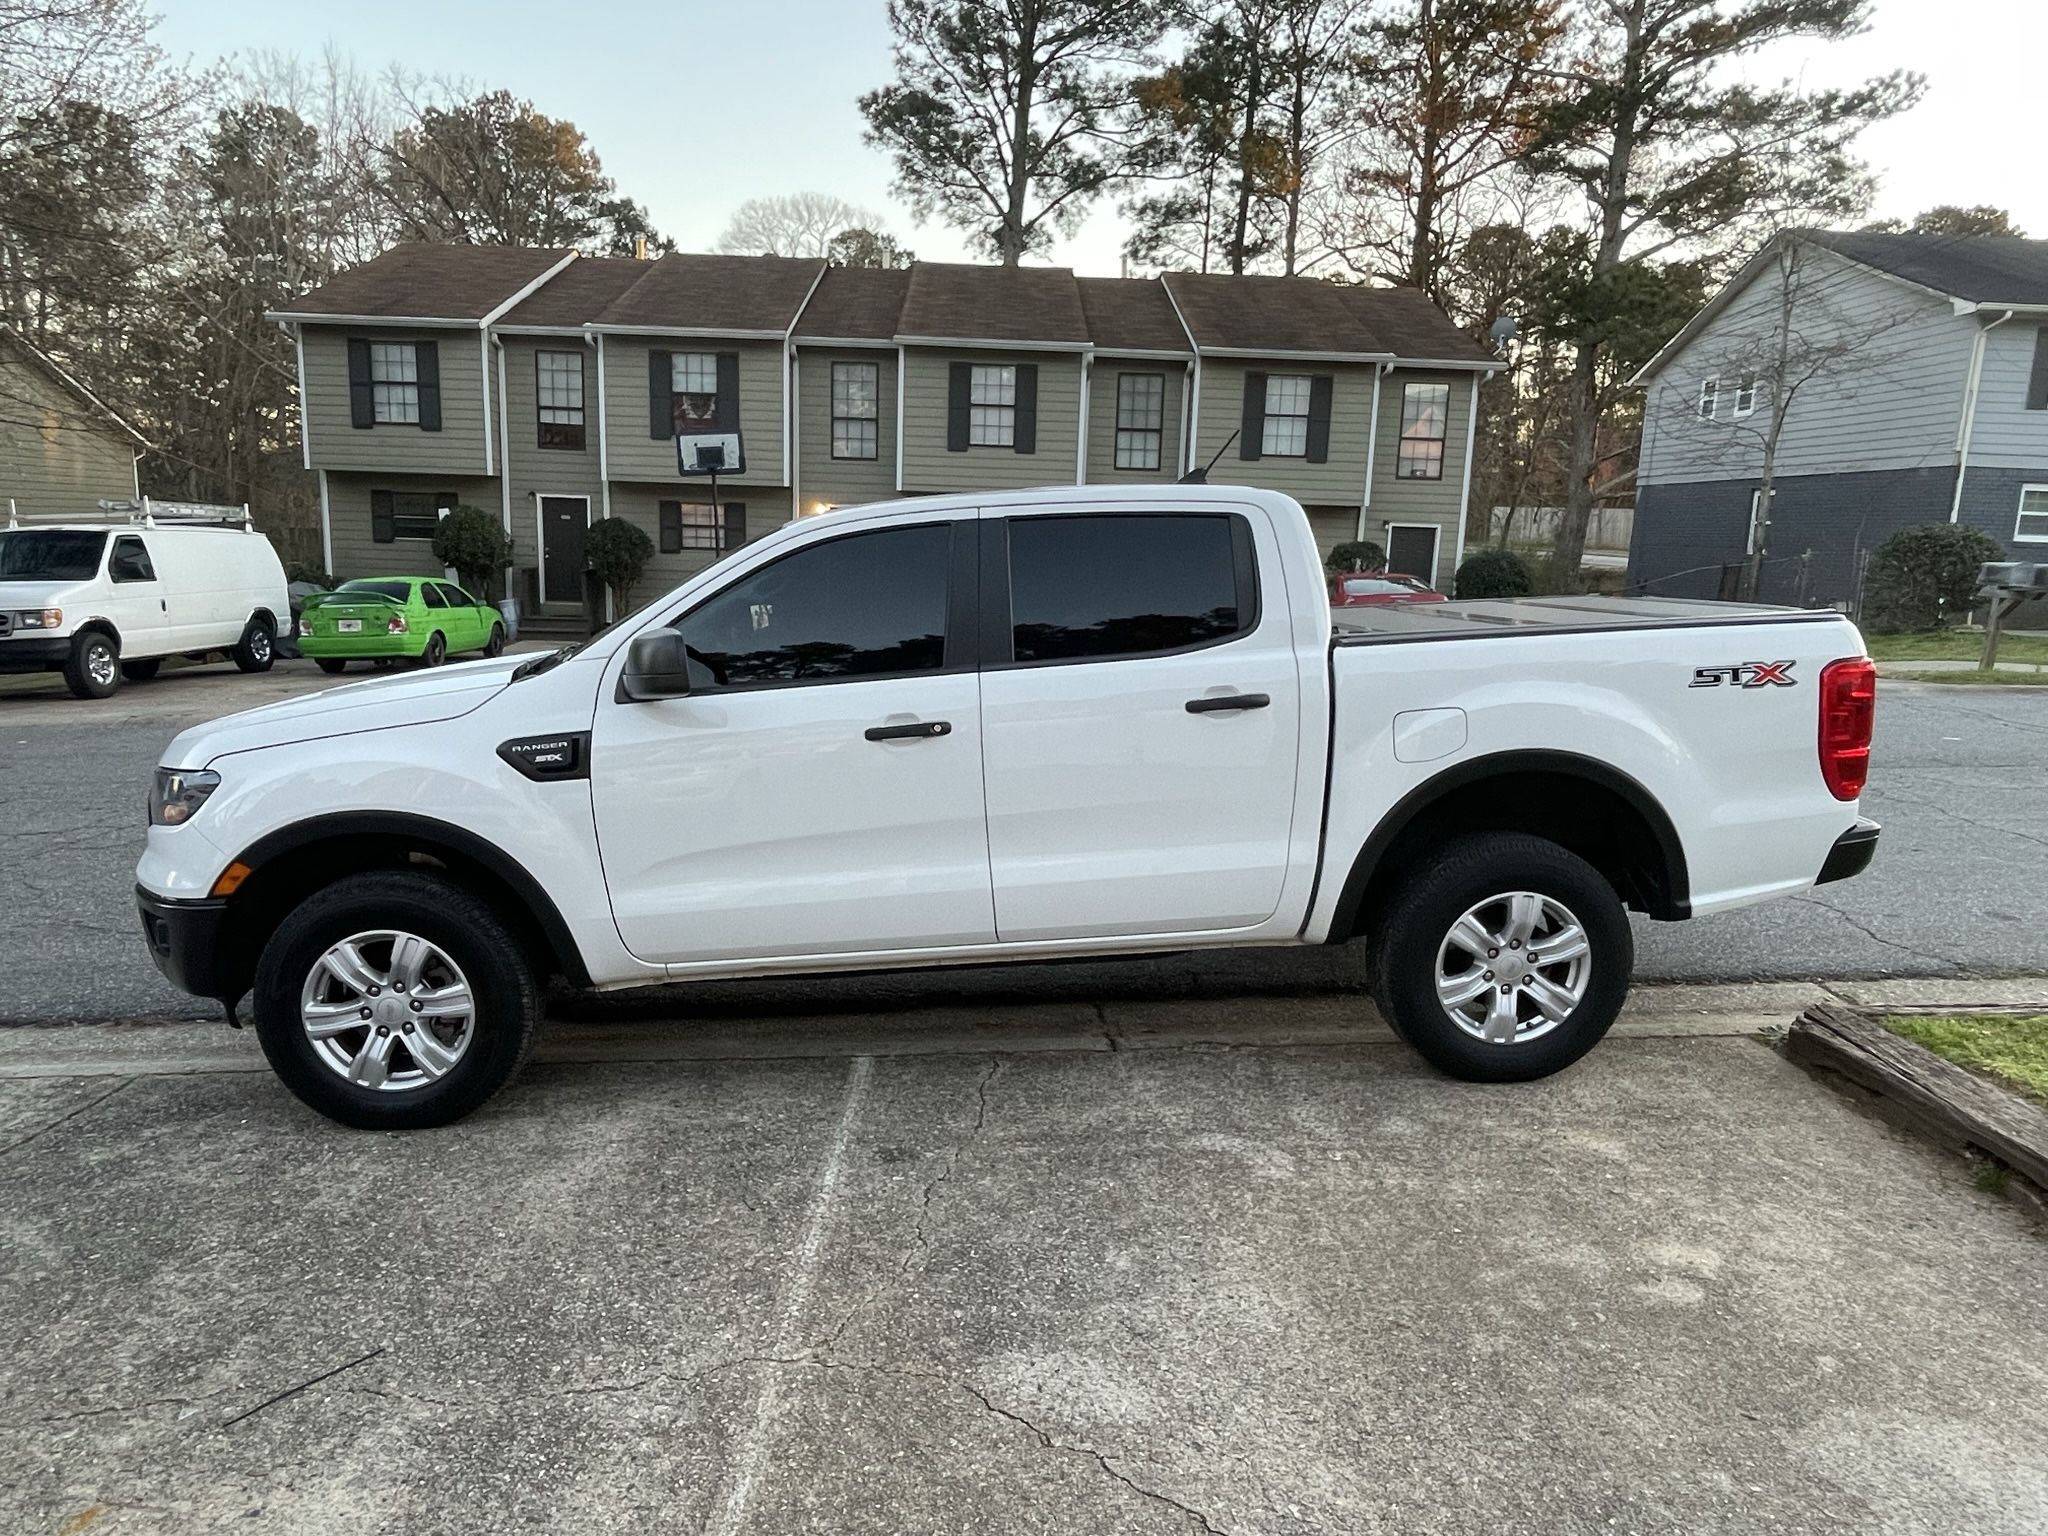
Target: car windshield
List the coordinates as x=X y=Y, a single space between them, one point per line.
x=397 y=591
x=51 y=554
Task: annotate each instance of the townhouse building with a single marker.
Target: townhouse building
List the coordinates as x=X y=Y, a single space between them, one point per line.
x=552 y=386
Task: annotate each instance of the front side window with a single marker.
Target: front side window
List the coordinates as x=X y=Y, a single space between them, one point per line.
x=1425 y=418
x=559 y=391
x=1098 y=587
x=693 y=391
x=856 y=409
x=1286 y=431
x=1140 y=419
x=2032 y=525
x=394 y=382
x=869 y=605
x=130 y=561
x=433 y=596
x=992 y=407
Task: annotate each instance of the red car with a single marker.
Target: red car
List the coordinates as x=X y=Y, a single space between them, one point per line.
x=1372 y=589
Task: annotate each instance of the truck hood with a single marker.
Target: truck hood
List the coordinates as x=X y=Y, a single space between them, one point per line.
x=381 y=703
x=36 y=594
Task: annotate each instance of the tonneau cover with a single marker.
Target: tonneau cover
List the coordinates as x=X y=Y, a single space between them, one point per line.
x=1552 y=615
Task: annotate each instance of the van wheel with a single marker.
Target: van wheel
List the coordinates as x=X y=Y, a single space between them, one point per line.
x=333 y=666
x=93 y=669
x=255 y=651
x=436 y=650
x=495 y=646
x=141 y=671
x=395 y=1001
x=1505 y=958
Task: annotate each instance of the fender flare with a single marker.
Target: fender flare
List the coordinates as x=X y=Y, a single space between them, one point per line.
x=1678 y=903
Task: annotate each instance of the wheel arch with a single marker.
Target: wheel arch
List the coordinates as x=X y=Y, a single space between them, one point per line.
x=1595 y=809
x=100 y=626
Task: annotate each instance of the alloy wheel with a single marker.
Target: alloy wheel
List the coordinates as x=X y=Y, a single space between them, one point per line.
x=387 y=1010
x=1513 y=967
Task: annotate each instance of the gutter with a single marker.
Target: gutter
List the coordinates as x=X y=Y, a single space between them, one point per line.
x=504 y=437
x=604 y=465
x=1971 y=389
x=789 y=394
x=1192 y=399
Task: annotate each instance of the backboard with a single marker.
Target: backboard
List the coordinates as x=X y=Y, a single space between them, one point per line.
x=708 y=453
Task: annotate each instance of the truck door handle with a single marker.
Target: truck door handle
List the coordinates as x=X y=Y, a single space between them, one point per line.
x=1210 y=706
x=915 y=730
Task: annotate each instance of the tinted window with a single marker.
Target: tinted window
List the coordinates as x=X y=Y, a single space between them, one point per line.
x=130 y=561
x=1120 y=586
x=51 y=554
x=860 y=606
x=432 y=595
x=397 y=591
x=455 y=597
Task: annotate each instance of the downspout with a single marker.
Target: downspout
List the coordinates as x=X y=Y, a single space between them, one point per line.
x=1187 y=421
x=795 y=380
x=483 y=357
x=604 y=464
x=1970 y=392
x=326 y=528
x=1081 y=445
x=1372 y=443
x=899 y=418
x=504 y=438
x=305 y=439
x=1465 y=490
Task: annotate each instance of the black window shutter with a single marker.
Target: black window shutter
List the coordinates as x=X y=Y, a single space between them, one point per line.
x=383 y=526
x=1027 y=407
x=959 y=385
x=1251 y=435
x=428 y=355
x=2037 y=381
x=1320 y=390
x=671 y=527
x=446 y=501
x=362 y=409
x=728 y=391
x=735 y=525
x=661 y=410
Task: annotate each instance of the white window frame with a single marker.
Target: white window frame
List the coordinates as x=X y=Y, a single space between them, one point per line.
x=395 y=383
x=1136 y=437
x=992 y=405
x=1294 y=423
x=696 y=374
x=1710 y=398
x=871 y=419
x=1745 y=397
x=559 y=413
x=2019 y=521
x=1436 y=548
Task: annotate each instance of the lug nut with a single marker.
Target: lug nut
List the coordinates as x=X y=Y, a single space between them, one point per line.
x=1505 y=989
x=417 y=1006
x=373 y=991
x=382 y=1031
x=1493 y=954
x=366 y=1013
x=1489 y=975
x=1514 y=943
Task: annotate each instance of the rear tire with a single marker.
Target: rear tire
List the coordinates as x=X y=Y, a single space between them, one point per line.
x=257 y=648
x=1445 y=997
x=333 y=666
x=142 y=671
x=475 y=948
x=93 y=669
x=436 y=650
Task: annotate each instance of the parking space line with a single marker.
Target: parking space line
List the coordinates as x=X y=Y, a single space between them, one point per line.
x=767 y=1414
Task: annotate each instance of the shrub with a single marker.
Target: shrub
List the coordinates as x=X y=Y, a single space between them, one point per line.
x=618 y=551
x=1923 y=578
x=310 y=571
x=475 y=545
x=1494 y=573
x=1357 y=555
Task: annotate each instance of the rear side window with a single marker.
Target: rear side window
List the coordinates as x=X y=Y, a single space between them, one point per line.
x=869 y=605
x=1096 y=587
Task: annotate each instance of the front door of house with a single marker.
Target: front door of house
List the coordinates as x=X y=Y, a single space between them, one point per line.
x=1411 y=551
x=564 y=520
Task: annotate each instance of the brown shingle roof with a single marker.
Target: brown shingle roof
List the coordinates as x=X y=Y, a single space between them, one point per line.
x=1130 y=313
x=1269 y=314
x=428 y=282
x=1409 y=324
x=579 y=291
x=1040 y=304
x=857 y=304
x=716 y=293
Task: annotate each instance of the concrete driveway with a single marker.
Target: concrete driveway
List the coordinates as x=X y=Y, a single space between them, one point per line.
x=1231 y=1267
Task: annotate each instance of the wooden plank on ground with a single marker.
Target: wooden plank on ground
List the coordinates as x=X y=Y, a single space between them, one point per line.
x=1957 y=1104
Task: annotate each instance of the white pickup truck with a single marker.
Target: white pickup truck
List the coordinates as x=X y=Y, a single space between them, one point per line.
x=971 y=729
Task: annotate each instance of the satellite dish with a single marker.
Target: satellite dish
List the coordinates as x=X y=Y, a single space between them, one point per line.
x=1503 y=330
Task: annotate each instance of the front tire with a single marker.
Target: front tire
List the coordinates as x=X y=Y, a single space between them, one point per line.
x=257 y=648
x=93 y=669
x=1505 y=958
x=395 y=1001
x=495 y=646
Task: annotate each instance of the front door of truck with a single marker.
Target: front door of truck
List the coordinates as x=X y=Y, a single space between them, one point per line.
x=137 y=602
x=819 y=790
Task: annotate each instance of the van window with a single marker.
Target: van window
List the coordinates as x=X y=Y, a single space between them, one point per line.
x=1094 y=587
x=130 y=561
x=51 y=554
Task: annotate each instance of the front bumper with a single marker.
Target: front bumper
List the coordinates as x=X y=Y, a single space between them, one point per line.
x=1852 y=853
x=184 y=940
x=41 y=654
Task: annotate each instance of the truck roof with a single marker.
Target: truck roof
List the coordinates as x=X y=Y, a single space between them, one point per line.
x=1473 y=620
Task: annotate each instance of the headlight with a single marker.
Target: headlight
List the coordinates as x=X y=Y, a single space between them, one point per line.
x=177 y=794
x=40 y=618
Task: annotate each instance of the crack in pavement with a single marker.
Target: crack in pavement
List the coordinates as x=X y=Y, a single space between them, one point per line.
x=1950 y=967
x=66 y=1119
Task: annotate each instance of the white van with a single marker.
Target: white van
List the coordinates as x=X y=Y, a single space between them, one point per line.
x=99 y=602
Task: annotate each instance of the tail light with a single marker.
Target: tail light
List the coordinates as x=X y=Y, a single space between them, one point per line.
x=305 y=626
x=1848 y=709
x=395 y=625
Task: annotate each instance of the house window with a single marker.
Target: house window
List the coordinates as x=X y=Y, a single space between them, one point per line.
x=1745 y=396
x=1286 y=432
x=414 y=515
x=2032 y=525
x=1425 y=419
x=693 y=387
x=1140 y=419
x=394 y=382
x=559 y=381
x=856 y=409
x=992 y=407
x=686 y=525
x=1710 y=398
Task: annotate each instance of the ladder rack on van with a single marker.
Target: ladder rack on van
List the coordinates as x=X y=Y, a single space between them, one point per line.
x=146 y=512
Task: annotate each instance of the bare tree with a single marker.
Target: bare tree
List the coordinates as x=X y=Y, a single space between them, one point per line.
x=797 y=224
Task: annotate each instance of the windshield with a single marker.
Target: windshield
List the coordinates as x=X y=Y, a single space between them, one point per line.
x=397 y=591
x=51 y=554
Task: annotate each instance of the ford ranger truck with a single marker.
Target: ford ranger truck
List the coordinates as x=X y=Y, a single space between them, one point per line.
x=983 y=728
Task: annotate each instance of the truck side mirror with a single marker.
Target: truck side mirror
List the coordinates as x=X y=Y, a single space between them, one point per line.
x=657 y=667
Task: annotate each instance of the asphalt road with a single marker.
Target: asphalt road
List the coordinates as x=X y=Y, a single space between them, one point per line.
x=1959 y=887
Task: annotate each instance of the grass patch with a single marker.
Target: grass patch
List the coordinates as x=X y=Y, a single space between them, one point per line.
x=2014 y=1051
x=1956 y=645
x=1997 y=677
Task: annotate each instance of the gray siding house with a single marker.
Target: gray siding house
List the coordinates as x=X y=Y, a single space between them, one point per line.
x=550 y=387
x=62 y=451
x=1894 y=380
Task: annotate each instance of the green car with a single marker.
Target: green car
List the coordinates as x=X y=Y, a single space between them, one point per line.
x=385 y=618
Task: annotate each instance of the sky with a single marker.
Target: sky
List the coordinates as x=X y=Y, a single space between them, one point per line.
x=696 y=105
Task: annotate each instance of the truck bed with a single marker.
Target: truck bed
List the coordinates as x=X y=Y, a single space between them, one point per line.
x=1479 y=620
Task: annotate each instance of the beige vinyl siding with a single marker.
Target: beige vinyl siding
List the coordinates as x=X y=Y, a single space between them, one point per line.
x=767 y=509
x=1337 y=525
x=927 y=466
x=458 y=448
x=634 y=454
x=357 y=554
x=1339 y=481
x=1102 y=391
x=843 y=482
x=56 y=458
x=533 y=470
x=1434 y=502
